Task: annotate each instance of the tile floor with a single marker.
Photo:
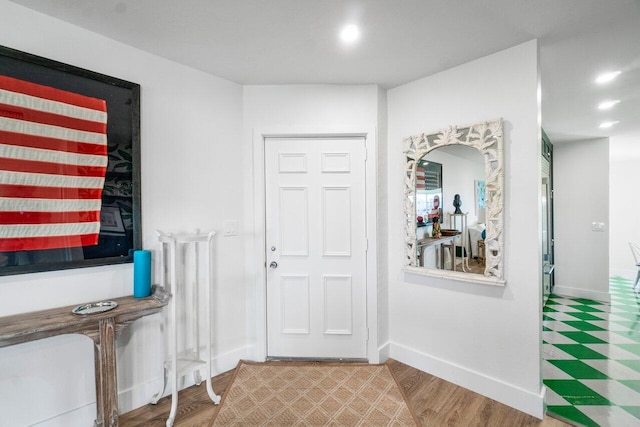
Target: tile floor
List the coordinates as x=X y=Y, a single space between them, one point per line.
x=591 y=354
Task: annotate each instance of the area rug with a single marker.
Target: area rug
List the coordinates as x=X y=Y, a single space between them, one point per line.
x=313 y=394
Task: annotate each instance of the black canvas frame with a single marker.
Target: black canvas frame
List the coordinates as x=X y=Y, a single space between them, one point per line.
x=122 y=184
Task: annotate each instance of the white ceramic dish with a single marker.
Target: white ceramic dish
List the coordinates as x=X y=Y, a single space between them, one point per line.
x=95 y=307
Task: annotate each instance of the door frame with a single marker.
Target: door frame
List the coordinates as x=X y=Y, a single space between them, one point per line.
x=257 y=262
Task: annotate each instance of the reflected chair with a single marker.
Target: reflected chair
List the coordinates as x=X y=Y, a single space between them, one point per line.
x=635 y=250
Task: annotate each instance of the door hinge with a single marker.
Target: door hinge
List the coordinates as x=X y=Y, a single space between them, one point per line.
x=367 y=334
x=366 y=245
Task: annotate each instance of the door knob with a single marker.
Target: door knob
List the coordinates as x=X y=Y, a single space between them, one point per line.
x=273 y=264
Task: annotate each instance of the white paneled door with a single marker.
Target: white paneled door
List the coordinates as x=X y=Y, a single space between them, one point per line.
x=316 y=247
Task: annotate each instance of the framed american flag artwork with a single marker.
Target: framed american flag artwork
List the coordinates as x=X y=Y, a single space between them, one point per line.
x=69 y=166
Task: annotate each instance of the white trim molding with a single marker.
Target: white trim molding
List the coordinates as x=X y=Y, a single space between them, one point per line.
x=530 y=402
x=568 y=291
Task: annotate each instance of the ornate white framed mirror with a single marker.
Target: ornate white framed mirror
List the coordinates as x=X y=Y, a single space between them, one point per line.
x=486 y=138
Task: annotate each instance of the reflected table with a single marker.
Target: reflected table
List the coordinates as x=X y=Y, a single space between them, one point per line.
x=100 y=327
x=422 y=244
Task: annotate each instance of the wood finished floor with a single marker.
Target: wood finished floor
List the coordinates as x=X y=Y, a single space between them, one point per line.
x=475 y=266
x=435 y=402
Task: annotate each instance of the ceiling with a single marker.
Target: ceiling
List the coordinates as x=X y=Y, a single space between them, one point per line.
x=296 y=42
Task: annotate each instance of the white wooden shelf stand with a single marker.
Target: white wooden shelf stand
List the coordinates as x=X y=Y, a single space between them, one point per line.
x=174 y=278
x=454 y=218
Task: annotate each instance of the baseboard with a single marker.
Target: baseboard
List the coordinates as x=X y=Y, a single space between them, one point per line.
x=515 y=397
x=625 y=273
x=567 y=291
x=383 y=352
x=141 y=394
x=82 y=416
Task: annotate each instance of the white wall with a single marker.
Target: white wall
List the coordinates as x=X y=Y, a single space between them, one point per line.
x=305 y=109
x=309 y=107
x=482 y=337
x=581 y=196
x=191 y=128
x=624 y=204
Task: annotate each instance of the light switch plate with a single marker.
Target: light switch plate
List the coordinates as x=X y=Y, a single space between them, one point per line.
x=230 y=228
x=597 y=226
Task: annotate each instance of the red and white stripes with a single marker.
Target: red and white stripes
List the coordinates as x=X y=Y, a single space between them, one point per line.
x=53 y=159
x=420 y=178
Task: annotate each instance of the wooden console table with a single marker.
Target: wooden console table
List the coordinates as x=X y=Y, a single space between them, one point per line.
x=102 y=328
x=422 y=244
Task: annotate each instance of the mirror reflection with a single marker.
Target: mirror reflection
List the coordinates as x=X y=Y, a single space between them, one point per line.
x=428 y=196
x=454 y=202
x=450 y=209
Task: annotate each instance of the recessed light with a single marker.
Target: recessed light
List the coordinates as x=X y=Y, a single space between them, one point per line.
x=607 y=77
x=350 y=33
x=605 y=125
x=605 y=105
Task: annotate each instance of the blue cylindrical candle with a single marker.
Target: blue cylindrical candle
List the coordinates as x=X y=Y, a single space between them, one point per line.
x=141 y=274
